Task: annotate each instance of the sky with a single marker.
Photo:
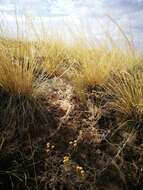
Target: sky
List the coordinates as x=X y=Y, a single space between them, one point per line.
x=93 y=18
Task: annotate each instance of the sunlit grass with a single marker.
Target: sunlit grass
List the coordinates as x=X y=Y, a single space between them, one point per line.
x=55 y=57
x=17 y=67
x=126 y=89
x=95 y=65
x=21 y=87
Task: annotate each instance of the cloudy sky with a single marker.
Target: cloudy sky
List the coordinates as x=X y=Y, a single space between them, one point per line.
x=91 y=17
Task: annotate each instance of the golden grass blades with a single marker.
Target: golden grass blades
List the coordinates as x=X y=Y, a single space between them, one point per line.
x=93 y=69
x=23 y=91
x=14 y=78
x=56 y=57
x=126 y=90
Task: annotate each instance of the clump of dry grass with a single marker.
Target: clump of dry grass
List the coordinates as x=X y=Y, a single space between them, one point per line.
x=23 y=93
x=95 y=65
x=15 y=78
x=56 y=57
x=126 y=89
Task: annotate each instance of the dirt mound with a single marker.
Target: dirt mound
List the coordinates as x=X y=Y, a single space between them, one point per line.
x=83 y=148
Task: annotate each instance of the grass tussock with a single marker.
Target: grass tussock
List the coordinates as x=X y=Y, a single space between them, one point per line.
x=94 y=66
x=15 y=78
x=23 y=91
x=55 y=58
x=126 y=88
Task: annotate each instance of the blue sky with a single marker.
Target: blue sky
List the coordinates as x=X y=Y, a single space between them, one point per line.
x=82 y=16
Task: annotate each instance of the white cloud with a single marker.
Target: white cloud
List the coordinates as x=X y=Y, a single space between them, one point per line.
x=88 y=16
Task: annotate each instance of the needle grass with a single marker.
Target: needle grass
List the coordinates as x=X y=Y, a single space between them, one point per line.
x=126 y=88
